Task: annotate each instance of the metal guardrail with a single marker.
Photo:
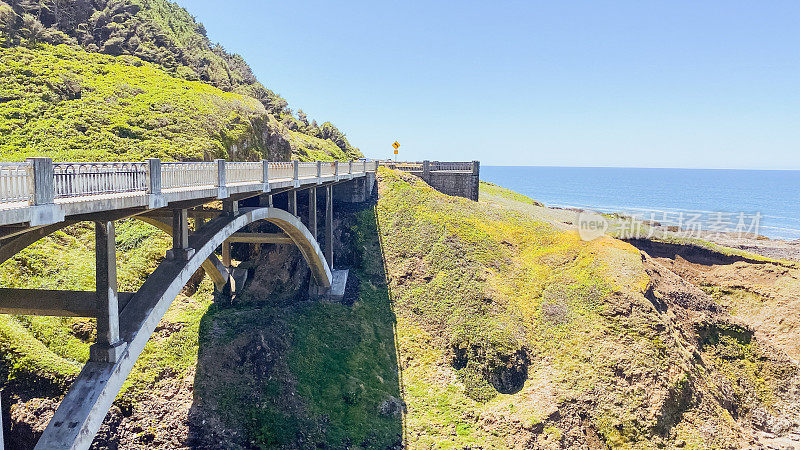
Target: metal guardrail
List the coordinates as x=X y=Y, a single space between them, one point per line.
x=39 y=180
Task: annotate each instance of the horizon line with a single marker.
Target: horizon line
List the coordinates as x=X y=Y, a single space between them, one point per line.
x=641 y=167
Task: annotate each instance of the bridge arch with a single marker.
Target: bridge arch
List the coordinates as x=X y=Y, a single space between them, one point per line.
x=81 y=412
x=212 y=266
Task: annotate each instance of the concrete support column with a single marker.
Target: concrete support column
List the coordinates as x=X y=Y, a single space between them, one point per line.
x=230 y=207
x=426 y=169
x=226 y=253
x=292 y=201
x=180 y=236
x=312 y=211
x=329 y=225
x=108 y=347
x=265 y=200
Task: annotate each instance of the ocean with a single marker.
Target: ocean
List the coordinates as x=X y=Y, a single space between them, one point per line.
x=768 y=200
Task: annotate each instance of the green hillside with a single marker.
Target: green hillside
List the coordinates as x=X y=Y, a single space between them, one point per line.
x=182 y=60
x=511 y=330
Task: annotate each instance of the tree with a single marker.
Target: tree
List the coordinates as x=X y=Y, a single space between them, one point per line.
x=7 y=20
x=301 y=115
x=32 y=29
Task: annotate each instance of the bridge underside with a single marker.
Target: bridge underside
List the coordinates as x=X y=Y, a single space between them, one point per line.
x=125 y=321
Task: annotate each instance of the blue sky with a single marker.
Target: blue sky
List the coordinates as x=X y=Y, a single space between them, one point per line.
x=706 y=84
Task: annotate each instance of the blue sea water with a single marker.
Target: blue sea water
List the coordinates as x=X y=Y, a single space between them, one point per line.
x=769 y=199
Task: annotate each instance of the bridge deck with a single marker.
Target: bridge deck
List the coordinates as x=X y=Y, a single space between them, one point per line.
x=40 y=192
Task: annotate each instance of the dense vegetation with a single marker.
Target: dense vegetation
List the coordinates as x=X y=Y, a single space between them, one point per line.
x=161 y=33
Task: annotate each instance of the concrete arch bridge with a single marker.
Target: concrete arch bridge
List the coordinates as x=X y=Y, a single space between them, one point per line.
x=38 y=197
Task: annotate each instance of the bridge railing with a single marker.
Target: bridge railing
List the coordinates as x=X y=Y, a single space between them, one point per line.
x=244 y=172
x=328 y=169
x=452 y=166
x=16 y=182
x=40 y=181
x=281 y=170
x=95 y=178
x=404 y=166
x=306 y=169
x=431 y=166
x=188 y=174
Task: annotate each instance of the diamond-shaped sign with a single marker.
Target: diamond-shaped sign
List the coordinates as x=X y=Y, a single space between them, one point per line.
x=396 y=145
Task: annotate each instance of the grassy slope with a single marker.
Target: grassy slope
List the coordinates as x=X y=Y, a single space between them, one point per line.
x=74 y=105
x=304 y=373
x=69 y=104
x=493 y=191
x=486 y=282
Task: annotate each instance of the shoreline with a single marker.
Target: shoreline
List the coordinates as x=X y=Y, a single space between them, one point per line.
x=774 y=248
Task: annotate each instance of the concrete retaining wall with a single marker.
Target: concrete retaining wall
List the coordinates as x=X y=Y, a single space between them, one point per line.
x=459 y=184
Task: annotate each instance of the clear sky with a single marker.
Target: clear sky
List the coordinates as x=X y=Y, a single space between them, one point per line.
x=711 y=84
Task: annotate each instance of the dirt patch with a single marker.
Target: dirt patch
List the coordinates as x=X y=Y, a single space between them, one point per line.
x=764 y=295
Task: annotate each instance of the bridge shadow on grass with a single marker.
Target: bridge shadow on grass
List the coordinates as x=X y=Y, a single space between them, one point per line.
x=276 y=369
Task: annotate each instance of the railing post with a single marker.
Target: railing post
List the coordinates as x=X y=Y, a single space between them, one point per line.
x=336 y=170
x=350 y=167
x=265 y=174
x=155 y=198
x=44 y=191
x=109 y=346
x=296 y=173
x=222 y=190
x=319 y=172
x=426 y=169
x=154 y=176
x=43 y=210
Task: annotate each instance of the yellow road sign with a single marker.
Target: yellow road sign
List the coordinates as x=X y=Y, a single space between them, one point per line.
x=395 y=151
x=396 y=145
